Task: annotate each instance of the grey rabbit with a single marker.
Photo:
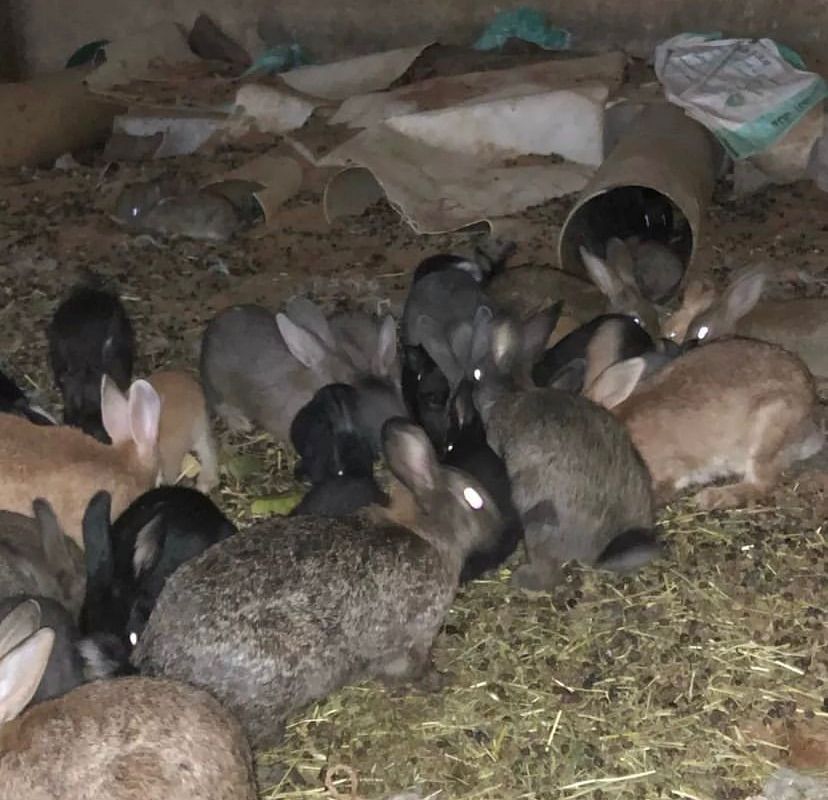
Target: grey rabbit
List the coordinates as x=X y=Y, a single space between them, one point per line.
x=615 y=277
x=127 y=739
x=158 y=207
x=37 y=558
x=580 y=486
x=74 y=660
x=296 y=607
x=257 y=368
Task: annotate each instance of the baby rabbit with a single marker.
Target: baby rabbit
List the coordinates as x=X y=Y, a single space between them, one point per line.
x=66 y=467
x=184 y=427
x=581 y=488
x=260 y=369
x=615 y=277
x=126 y=739
x=73 y=660
x=467 y=450
x=325 y=434
x=129 y=561
x=14 y=401
x=37 y=558
x=733 y=407
x=799 y=325
x=90 y=335
x=296 y=607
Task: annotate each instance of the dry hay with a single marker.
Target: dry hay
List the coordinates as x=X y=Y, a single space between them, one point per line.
x=666 y=684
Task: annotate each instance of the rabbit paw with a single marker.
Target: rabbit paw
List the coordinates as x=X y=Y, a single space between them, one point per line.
x=736 y=495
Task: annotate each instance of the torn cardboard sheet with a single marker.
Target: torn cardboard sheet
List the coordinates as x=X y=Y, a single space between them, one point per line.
x=362 y=111
x=271 y=109
x=436 y=191
x=137 y=56
x=343 y=79
x=273 y=179
x=567 y=123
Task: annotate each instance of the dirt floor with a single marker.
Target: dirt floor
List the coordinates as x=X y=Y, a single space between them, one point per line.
x=690 y=680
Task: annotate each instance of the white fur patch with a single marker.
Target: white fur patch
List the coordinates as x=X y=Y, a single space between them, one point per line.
x=96 y=664
x=147 y=543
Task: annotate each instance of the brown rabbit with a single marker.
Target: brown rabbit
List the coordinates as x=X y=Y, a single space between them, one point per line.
x=184 y=428
x=733 y=407
x=126 y=739
x=799 y=325
x=66 y=466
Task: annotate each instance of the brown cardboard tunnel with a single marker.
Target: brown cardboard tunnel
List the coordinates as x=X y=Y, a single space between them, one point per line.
x=667 y=155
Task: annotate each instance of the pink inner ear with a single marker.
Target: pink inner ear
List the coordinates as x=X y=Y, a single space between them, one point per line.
x=115 y=412
x=145 y=416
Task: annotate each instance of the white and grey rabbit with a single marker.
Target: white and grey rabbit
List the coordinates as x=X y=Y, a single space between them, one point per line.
x=125 y=739
x=294 y=608
x=580 y=486
x=260 y=368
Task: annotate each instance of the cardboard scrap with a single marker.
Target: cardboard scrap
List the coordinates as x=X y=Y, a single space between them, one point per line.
x=436 y=191
x=277 y=177
x=363 y=110
x=271 y=109
x=343 y=79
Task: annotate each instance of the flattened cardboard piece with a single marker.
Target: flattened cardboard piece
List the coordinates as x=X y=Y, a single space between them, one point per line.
x=342 y=79
x=436 y=191
x=362 y=111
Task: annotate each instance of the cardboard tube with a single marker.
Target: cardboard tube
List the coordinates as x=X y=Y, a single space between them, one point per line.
x=664 y=150
x=50 y=115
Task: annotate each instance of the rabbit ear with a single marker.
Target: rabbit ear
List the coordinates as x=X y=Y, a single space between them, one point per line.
x=21 y=671
x=602 y=275
x=386 y=355
x=462 y=404
x=537 y=330
x=410 y=456
x=481 y=340
x=55 y=543
x=115 y=412
x=505 y=345
x=570 y=377
x=144 y=418
x=97 y=544
x=303 y=345
x=20 y=623
x=616 y=383
x=149 y=544
x=620 y=260
x=308 y=315
x=744 y=293
x=435 y=344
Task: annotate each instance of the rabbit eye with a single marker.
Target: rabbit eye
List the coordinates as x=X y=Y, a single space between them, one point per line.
x=133 y=638
x=637 y=320
x=473 y=498
x=703 y=331
x=340 y=472
x=478 y=374
x=450 y=448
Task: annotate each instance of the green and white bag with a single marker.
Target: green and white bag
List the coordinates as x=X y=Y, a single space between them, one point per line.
x=748 y=92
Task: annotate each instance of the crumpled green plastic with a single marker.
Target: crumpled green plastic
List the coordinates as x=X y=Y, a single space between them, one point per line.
x=524 y=23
